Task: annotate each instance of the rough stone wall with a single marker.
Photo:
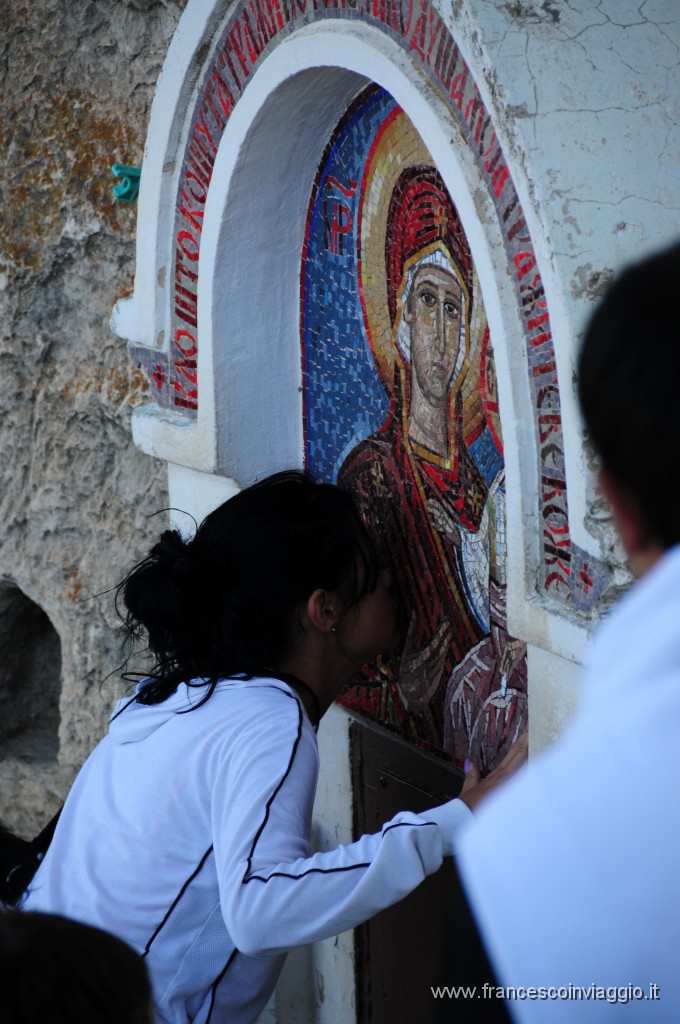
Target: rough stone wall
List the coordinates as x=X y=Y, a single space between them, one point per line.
x=76 y=84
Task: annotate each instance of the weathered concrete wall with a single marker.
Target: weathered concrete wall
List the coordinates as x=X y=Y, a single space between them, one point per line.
x=76 y=84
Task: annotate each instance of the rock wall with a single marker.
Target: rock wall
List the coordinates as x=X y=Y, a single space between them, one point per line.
x=76 y=84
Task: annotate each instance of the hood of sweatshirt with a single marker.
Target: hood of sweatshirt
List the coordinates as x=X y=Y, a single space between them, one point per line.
x=132 y=722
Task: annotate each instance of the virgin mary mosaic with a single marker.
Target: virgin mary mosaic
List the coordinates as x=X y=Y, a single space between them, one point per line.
x=401 y=409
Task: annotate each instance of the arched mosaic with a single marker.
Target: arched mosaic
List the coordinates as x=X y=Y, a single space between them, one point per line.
x=565 y=574
x=400 y=408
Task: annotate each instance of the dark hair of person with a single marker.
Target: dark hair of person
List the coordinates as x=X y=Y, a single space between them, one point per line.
x=228 y=601
x=628 y=374
x=60 y=971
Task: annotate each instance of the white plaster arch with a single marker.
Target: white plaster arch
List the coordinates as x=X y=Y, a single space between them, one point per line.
x=320 y=67
x=250 y=307
x=249 y=302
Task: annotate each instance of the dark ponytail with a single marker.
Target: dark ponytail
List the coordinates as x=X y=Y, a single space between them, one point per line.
x=227 y=602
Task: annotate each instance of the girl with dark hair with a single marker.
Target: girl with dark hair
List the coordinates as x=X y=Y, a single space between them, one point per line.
x=187 y=831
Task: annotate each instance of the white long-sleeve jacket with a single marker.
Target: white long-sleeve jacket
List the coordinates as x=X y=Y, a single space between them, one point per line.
x=573 y=868
x=187 y=835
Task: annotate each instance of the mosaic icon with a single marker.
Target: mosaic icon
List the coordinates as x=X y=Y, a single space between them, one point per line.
x=401 y=409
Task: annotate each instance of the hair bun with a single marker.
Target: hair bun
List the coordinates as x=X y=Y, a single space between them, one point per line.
x=170 y=547
x=173 y=554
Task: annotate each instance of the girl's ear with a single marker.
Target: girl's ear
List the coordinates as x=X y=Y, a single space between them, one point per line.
x=321 y=610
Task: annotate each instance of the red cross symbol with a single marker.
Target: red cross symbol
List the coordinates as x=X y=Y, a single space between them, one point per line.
x=158 y=377
x=585 y=578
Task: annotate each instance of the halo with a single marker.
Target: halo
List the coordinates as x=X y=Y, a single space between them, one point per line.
x=398 y=146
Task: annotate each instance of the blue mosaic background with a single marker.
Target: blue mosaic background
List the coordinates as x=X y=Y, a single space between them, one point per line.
x=344 y=399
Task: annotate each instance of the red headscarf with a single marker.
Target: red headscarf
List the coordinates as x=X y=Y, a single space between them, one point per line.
x=421 y=212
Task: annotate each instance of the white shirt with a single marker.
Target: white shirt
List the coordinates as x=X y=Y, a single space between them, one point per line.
x=187 y=835
x=573 y=868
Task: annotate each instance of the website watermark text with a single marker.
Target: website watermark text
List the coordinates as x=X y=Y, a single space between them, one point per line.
x=610 y=993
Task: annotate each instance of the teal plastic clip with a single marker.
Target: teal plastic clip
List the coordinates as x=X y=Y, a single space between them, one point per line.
x=127 y=188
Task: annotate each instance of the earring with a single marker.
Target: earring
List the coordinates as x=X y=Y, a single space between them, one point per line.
x=334 y=629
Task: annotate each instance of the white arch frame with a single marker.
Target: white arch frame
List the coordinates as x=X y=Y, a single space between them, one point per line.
x=229 y=436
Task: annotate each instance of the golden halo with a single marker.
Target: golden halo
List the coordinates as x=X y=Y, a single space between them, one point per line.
x=398 y=147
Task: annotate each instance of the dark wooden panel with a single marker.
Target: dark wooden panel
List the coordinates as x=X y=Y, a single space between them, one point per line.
x=403 y=950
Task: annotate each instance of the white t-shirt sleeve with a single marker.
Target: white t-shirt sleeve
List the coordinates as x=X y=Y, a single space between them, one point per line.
x=273 y=894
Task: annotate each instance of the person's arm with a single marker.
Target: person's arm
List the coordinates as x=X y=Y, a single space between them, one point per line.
x=273 y=894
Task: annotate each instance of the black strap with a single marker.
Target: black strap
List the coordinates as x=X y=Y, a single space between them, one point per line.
x=295 y=682
x=20 y=859
x=42 y=841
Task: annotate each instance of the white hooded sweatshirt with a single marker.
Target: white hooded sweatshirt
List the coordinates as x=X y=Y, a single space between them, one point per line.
x=187 y=835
